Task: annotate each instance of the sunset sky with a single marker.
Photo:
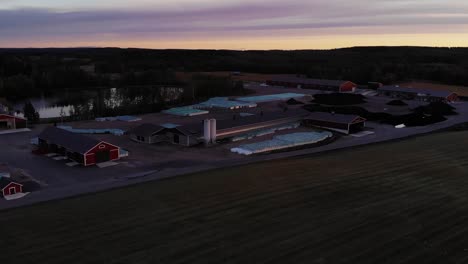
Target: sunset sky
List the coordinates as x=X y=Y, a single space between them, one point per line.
x=233 y=24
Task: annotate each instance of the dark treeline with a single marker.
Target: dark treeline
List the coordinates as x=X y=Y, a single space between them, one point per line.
x=26 y=72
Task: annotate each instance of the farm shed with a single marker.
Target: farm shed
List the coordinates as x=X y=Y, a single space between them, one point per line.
x=315 y=84
x=9 y=187
x=418 y=94
x=12 y=122
x=82 y=149
x=180 y=135
x=347 y=124
x=147 y=133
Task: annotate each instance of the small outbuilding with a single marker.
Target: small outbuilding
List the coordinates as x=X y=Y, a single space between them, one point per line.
x=347 y=124
x=12 y=122
x=82 y=149
x=9 y=187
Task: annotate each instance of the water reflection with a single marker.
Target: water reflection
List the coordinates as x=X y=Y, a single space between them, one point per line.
x=87 y=104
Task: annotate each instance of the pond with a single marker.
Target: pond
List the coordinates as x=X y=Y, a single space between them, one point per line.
x=88 y=104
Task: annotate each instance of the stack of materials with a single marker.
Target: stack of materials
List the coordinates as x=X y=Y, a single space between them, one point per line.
x=283 y=142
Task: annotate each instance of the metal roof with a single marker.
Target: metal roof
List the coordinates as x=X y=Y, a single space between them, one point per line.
x=293 y=79
x=427 y=92
x=71 y=141
x=146 y=130
x=196 y=129
x=240 y=121
x=336 y=118
x=12 y=116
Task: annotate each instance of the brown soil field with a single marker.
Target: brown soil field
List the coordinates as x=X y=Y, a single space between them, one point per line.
x=398 y=202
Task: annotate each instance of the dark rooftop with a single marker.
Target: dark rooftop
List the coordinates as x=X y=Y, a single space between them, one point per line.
x=258 y=118
x=71 y=141
x=294 y=79
x=239 y=121
x=146 y=130
x=4 y=182
x=427 y=92
x=337 y=118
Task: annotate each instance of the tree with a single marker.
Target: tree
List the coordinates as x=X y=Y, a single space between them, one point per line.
x=30 y=113
x=18 y=86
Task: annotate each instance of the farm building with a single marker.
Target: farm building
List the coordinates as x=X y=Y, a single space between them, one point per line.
x=9 y=187
x=241 y=125
x=315 y=84
x=12 y=122
x=272 y=97
x=82 y=149
x=152 y=134
x=347 y=124
x=418 y=94
x=211 y=130
x=223 y=103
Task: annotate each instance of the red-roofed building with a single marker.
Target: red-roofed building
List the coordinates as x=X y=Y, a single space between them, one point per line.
x=12 y=122
x=82 y=149
x=314 y=84
x=9 y=187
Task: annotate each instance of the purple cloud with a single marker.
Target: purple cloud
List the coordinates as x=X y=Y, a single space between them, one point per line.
x=243 y=20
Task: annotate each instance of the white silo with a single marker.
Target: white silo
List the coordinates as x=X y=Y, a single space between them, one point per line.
x=213 y=130
x=207 y=131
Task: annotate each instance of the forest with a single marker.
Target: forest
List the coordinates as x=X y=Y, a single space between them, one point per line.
x=30 y=72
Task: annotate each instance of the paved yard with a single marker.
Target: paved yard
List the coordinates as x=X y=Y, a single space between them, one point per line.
x=167 y=160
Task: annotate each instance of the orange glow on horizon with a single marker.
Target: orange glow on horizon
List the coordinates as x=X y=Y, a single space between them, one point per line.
x=267 y=43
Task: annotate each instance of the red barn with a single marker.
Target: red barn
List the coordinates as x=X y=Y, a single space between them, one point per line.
x=82 y=149
x=315 y=84
x=9 y=187
x=12 y=122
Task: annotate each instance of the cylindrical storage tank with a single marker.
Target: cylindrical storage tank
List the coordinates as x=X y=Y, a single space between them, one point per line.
x=207 y=131
x=213 y=130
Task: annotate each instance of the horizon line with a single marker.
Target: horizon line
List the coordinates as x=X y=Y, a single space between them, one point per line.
x=206 y=49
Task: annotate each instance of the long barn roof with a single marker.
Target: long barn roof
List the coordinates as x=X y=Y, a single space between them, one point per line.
x=71 y=141
x=196 y=129
x=258 y=118
x=294 y=79
x=434 y=93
